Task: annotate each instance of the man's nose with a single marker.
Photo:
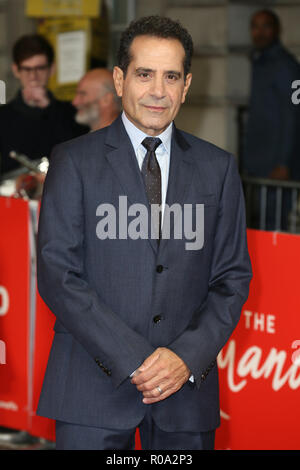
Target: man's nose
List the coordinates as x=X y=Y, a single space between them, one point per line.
x=33 y=74
x=158 y=88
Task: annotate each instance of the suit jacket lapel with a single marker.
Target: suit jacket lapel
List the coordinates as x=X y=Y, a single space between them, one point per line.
x=180 y=176
x=123 y=161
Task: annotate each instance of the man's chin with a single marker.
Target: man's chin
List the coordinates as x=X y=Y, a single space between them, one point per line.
x=156 y=124
x=82 y=119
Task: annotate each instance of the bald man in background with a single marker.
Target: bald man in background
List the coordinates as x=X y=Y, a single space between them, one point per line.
x=96 y=100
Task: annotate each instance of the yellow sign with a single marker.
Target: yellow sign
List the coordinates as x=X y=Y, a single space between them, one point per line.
x=71 y=40
x=78 y=43
x=46 y=8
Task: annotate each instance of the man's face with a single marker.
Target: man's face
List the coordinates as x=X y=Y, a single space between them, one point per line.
x=34 y=71
x=263 y=30
x=87 y=92
x=153 y=89
x=86 y=101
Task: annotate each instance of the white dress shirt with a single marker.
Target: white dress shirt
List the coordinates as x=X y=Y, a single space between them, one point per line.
x=162 y=153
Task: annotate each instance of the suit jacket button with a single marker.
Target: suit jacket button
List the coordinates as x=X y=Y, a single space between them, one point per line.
x=108 y=372
x=157 y=318
x=159 y=268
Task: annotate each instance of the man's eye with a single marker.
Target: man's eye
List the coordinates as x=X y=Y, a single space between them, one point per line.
x=172 y=77
x=144 y=75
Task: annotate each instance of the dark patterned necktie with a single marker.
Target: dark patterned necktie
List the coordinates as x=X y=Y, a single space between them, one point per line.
x=151 y=174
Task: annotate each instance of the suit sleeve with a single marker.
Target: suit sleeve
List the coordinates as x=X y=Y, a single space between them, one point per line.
x=61 y=283
x=212 y=324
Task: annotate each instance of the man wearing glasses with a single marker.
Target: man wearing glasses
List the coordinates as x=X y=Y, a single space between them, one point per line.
x=34 y=121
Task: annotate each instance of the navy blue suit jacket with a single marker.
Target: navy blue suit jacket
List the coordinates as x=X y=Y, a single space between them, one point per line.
x=106 y=293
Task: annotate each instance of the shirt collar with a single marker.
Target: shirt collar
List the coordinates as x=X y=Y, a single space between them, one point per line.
x=137 y=136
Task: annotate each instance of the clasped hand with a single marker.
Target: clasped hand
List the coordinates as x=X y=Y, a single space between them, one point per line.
x=163 y=369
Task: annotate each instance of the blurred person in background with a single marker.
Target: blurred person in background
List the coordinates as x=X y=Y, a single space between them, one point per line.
x=272 y=124
x=96 y=100
x=271 y=149
x=34 y=121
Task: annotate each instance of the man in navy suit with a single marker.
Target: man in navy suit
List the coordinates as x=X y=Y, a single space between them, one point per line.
x=141 y=316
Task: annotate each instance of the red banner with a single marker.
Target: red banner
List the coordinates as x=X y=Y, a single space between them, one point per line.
x=14 y=312
x=26 y=324
x=260 y=367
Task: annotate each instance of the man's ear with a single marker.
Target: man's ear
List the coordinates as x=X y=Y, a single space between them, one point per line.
x=118 y=77
x=15 y=70
x=187 y=84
